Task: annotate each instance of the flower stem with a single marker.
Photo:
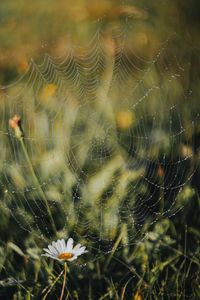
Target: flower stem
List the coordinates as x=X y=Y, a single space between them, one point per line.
x=64 y=281
x=37 y=183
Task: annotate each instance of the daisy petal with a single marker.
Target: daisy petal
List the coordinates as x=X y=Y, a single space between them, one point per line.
x=51 y=256
x=77 y=247
x=58 y=246
x=54 y=244
x=47 y=251
x=80 y=251
x=69 y=245
x=53 y=250
x=73 y=258
x=63 y=245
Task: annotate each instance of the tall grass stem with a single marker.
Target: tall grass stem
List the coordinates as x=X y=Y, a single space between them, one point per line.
x=37 y=183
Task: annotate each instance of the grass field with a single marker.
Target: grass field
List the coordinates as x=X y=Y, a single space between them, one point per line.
x=100 y=137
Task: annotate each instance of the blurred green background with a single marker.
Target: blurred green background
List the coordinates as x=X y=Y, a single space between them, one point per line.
x=108 y=95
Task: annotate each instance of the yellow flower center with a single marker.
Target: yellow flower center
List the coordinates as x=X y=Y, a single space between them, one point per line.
x=65 y=256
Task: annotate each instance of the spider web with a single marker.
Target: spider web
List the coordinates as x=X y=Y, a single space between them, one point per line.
x=105 y=130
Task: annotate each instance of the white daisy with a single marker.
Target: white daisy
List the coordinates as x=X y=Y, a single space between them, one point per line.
x=62 y=251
